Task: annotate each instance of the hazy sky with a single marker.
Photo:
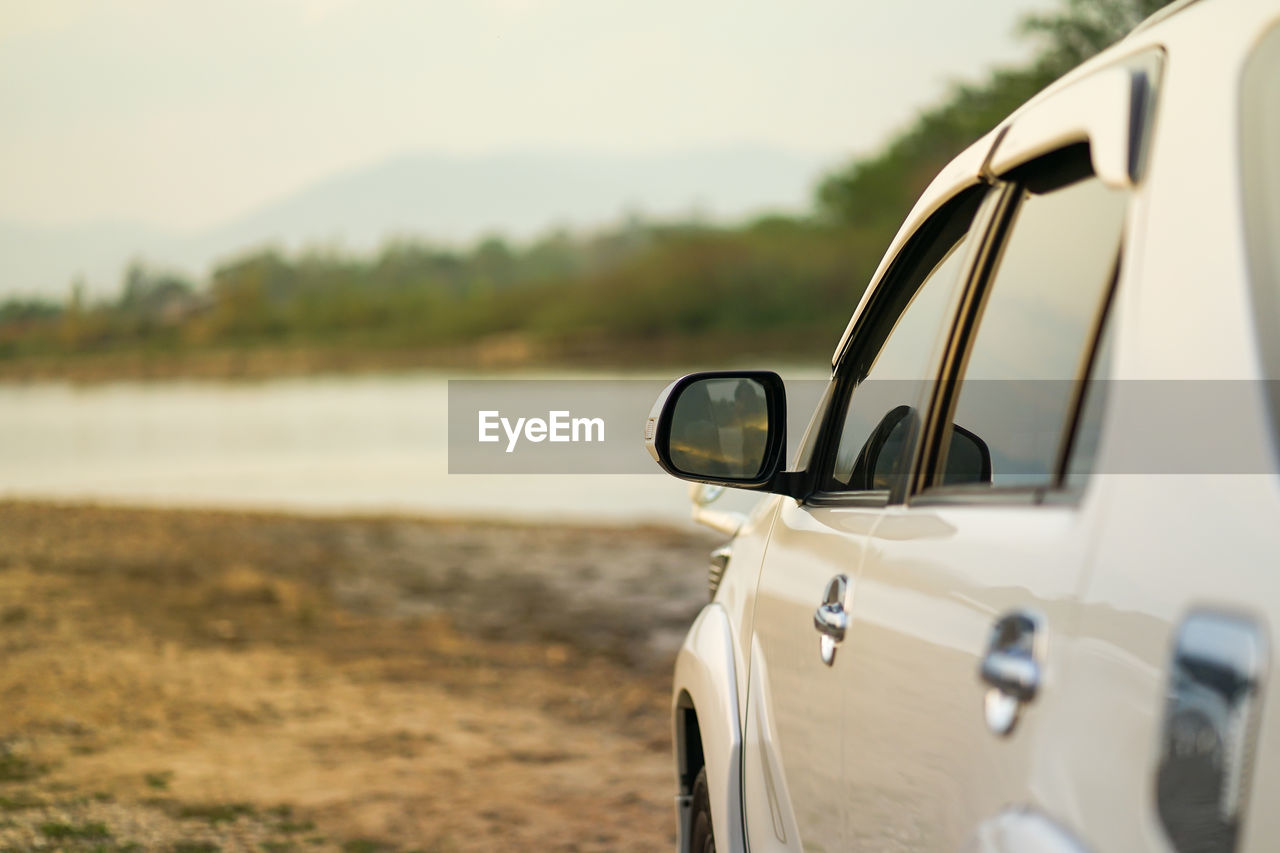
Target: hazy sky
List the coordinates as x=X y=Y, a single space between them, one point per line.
x=183 y=113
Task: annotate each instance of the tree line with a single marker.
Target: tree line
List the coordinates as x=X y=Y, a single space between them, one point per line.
x=789 y=280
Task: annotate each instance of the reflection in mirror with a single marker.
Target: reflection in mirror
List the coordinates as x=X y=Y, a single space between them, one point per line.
x=720 y=428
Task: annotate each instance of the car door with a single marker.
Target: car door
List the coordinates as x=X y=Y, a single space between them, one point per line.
x=794 y=797
x=967 y=581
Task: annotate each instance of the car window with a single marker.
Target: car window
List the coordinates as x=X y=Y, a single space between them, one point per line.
x=1033 y=336
x=887 y=379
x=1083 y=449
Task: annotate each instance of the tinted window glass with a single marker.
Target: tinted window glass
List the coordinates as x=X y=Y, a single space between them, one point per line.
x=1037 y=324
x=878 y=433
x=1088 y=432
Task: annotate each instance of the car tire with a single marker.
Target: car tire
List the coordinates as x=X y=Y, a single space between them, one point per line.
x=701 y=837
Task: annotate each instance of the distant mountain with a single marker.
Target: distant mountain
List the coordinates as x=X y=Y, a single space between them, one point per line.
x=437 y=197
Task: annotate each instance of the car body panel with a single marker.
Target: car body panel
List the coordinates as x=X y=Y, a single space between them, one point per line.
x=1117 y=663
x=922 y=767
x=767 y=803
x=793 y=747
x=737 y=590
x=1172 y=541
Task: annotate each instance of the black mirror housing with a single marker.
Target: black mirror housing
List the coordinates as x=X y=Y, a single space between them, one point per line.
x=726 y=428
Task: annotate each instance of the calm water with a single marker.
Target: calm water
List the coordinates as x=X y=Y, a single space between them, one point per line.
x=317 y=444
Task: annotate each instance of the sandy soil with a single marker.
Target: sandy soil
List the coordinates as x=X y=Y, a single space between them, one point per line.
x=198 y=681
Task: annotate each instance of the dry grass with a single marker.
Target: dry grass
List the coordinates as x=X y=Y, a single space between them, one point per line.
x=257 y=682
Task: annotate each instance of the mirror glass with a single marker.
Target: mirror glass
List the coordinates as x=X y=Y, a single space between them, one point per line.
x=720 y=429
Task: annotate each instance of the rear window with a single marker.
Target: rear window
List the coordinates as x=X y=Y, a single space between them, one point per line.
x=1260 y=176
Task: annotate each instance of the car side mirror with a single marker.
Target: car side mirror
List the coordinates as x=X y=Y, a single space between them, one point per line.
x=968 y=459
x=726 y=428
x=883 y=465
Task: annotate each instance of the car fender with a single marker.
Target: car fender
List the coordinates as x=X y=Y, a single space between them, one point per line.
x=706 y=681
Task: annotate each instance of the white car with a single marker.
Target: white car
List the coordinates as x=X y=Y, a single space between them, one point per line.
x=1016 y=590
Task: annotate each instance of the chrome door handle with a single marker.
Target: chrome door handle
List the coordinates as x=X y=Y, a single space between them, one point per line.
x=1011 y=673
x=1212 y=707
x=830 y=619
x=1011 y=669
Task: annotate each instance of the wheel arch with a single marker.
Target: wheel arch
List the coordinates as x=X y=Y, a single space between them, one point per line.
x=705 y=726
x=690 y=757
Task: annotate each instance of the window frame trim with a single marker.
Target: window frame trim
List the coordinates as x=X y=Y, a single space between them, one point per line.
x=823 y=458
x=922 y=490
x=955 y=354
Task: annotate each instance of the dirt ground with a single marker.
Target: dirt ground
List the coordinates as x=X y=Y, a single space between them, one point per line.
x=200 y=681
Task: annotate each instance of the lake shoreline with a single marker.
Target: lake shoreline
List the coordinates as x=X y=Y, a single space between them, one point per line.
x=505 y=353
x=367 y=444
